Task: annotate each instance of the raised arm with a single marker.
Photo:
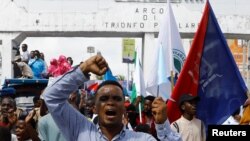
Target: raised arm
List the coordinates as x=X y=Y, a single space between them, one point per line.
x=69 y=120
x=164 y=132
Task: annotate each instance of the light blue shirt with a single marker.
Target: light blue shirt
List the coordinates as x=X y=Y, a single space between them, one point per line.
x=48 y=130
x=38 y=67
x=76 y=127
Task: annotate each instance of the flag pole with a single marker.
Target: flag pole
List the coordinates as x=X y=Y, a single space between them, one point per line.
x=172 y=80
x=140 y=116
x=157 y=94
x=128 y=77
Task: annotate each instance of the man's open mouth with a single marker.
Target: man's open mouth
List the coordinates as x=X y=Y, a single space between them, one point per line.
x=110 y=113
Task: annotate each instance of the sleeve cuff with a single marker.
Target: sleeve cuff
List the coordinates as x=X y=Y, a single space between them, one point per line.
x=164 y=126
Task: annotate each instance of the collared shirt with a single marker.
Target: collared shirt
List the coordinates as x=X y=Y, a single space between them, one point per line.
x=193 y=130
x=76 y=127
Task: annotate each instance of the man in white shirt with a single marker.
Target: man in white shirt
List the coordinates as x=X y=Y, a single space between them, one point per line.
x=190 y=128
x=25 y=55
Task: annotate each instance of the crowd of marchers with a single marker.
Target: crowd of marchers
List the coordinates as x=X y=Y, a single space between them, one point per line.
x=63 y=112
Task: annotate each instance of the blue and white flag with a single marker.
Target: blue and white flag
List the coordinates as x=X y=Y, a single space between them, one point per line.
x=169 y=56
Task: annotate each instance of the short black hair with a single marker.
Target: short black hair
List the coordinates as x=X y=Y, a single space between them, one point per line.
x=25 y=45
x=12 y=100
x=70 y=59
x=23 y=115
x=37 y=53
x=109 y=82
x=150 y=98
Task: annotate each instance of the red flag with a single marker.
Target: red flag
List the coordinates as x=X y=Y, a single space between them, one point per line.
x=211 y=73
x=92 y=88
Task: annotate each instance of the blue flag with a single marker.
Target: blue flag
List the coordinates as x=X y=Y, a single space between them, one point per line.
x=109 y=76
x=211 y=73
x=221 y=86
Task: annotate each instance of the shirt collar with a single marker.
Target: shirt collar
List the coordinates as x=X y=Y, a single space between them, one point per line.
x=116 y=137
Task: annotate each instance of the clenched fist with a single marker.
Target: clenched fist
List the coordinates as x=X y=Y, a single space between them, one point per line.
x=96 y=64
x=159 y=110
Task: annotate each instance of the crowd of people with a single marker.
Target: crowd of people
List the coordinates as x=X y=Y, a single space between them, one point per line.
x=32 y=65
x=63 y=112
